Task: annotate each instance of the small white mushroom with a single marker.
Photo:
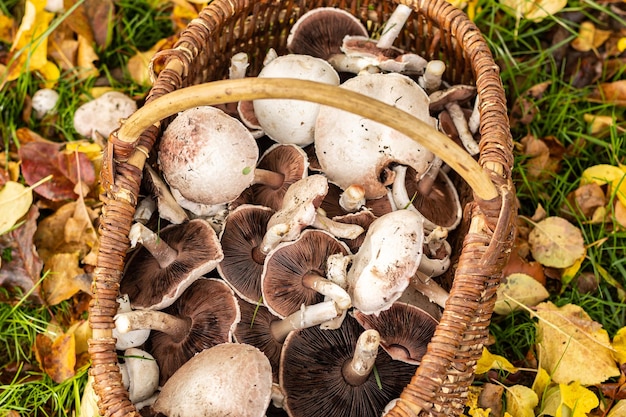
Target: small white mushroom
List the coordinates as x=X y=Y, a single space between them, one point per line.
x=352 y=198
x=44 y=101
x=130 y=339
x=462 y=127
x=394 y=25
x=293 y=121
x=431 y=80
x=140 y=374
x=103 y=115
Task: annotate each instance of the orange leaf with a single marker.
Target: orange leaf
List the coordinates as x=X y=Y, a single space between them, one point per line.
x=613 y=93
x=57 y=358
x=589 y=37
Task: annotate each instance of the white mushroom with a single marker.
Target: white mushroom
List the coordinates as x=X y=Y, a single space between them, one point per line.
x=293 y=121
x=229 y=379
x=140 y=374
x=353 y=150
x=103 y=115
x=208 y=158
x=130 y=339
x=44 y=102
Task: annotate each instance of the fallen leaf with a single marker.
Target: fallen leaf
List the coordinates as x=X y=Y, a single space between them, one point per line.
x=534 y=11
x=607 y=174
x=490 y=361
x=57 y=357
x=572 y=347
x=490 y=398
x=555 y=242
x=619 y=345
x=519 y=289
x=40 y=159
x=7 y=26
x=610 y=93
x=618 y=410
x=609 y=279
x=524 y=109
x=570 y=272
x=589 y=37
x=15 y=201
x=541 y=383
x=576 y=400
x=521 y=401
x=472 y=403
x=60 y=281
x=585 y=201
x=601 y=124
x=29 y=48
x=101 y=15
x=78 y=20
x=619 y=213
x=85 y=57
x=21 y=265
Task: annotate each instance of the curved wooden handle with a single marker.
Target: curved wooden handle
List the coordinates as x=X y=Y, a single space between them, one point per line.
x=227 y=91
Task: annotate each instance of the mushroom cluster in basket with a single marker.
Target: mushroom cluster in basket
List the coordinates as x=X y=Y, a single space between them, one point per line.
x=285 y=251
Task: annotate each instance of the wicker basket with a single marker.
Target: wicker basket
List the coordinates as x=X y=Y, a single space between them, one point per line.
x=436 y=31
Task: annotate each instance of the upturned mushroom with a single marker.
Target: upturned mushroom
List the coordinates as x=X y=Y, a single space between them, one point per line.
x=199 y=176
x=294 y=273
x=166 y=264
x=352 y=150
x=203 y=316
x=140 y=374
x=330 y=372
x=293 y=121
x=230 y=379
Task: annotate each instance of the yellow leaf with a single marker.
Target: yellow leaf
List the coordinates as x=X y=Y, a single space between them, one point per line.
x=532 y=10
x=6 y=28
x=621 y=44
x=82 y=333
x=521 y=401
x=30 y=45
x=15 y=201
x=570 y=273
x=576 y=400
x=521 y=288
x=57 y=357
x=618 y=410
x=138 y=64
x=541 y=382
x=490 y=361
x=61 y=282
x=85 y=57
x=51 y=74
x=589 y=37
x=572 y=347
x=555 y=242
x=619 y=345
x=92 y=150
x=598 y=124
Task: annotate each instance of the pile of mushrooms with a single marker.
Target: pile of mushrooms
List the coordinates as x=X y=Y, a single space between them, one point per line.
x=323 y=242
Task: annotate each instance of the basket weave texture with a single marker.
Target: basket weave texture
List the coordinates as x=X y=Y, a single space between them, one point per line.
x=436 y=30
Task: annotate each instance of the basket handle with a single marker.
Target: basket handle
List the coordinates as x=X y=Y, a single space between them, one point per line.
x=227 y=91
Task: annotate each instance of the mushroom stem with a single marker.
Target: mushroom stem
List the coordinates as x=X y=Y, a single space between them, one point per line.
x=269 y=178
x=161 y=251
x=176 y=327
x=398 y=190
x=425 y=183
x=394 y=25
x=328 y=288
x=431 y=80
x=430 y=289
x=353 y=198
x=238 y=65
x=307 y=316
x=433 y=267
x=358 y=369
x=474 y=120
x=337 y=229
x=273 y=237
x=458 y=118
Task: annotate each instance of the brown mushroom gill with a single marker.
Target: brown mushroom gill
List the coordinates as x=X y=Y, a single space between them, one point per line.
x=312 y=375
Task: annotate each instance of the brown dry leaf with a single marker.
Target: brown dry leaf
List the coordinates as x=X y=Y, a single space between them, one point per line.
x=62 y=273
x=544 y=156
x=610 y=93
x=101 y=18
x=524 y=109
x=85 y=58
x=585 y=201
x=589 y=37
x=519 y=290
x=78 y=21
x=557 y=243
x=572 y=347
x=21 y=265
x=57 y=357
x=138 y=64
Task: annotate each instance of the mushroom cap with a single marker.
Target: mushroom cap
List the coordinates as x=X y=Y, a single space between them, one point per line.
x=290 y=161
x=320 y=32
x=293 y=121
x=363 y=218
x=311 y=375
x=440 y=207
x=43 y=102
x=103 y=115
x=212 y=310
x=388 y=258
x=241 y=238
x=405 y=330
x=207 y=156
x=229 y=379
x=353 y=150
x=152 y=287
x=289 y=262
